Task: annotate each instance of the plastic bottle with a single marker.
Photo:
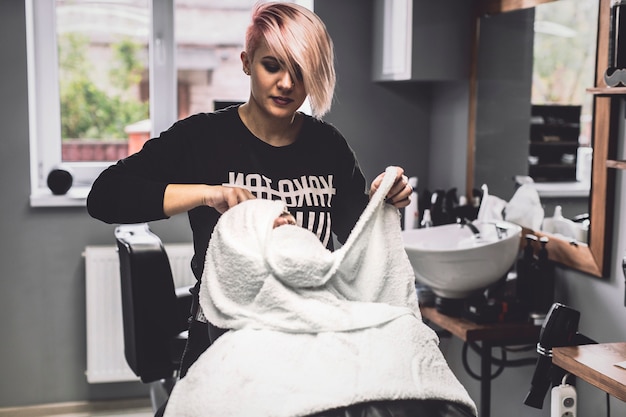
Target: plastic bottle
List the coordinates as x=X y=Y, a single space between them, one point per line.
x=544 y=281
x=525 y=273
x=437 y=210
x=411 y=212
x=426 y=220
x=450 y=204
x=465 y=210
x=557 y=224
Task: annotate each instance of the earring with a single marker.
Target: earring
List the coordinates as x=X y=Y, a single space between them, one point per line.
x=246 y=71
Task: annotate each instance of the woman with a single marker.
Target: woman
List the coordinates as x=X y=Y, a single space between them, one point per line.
x=265 y=148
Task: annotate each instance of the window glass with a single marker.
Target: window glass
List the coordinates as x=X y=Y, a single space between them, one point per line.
x=99 y=70
x=104 y=69
x=209 y=39
x=564 y=57
x=103 y=76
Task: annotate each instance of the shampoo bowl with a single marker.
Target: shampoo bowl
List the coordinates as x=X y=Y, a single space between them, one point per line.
x=455 y=262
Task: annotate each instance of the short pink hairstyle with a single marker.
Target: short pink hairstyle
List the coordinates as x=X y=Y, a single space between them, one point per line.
x=299 y=39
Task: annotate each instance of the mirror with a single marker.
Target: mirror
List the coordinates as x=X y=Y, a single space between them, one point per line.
x=510 y=79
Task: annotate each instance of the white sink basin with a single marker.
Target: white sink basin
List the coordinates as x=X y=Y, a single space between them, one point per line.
x=455 y=263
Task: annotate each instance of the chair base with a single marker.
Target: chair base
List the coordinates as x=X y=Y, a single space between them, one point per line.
x=160 y=392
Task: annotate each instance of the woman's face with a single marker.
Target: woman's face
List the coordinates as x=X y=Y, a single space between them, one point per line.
x=272 y=88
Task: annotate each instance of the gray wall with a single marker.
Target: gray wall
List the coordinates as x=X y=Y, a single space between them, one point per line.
x=42 y=353
x=505 y=65
x=42 y=279
x=447 y=163
x=386 y=123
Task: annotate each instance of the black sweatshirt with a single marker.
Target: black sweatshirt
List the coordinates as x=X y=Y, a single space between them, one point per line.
x=317 y=176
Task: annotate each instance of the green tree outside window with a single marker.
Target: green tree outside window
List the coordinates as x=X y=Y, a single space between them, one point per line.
x=89 y=111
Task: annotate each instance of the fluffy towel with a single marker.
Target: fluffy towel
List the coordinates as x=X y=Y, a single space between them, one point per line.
x=285 y=279
x=312 y=329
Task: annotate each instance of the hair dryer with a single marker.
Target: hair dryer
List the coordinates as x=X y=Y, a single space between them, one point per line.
x=560 y=328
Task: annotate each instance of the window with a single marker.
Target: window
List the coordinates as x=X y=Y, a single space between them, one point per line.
x=106 y=75
x=89 y=78
x=564 y=57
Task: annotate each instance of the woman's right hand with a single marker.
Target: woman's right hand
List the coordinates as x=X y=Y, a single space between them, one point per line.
x=221 y=197
x=180 y=198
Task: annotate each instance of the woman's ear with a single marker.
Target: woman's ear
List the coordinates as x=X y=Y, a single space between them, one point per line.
x=245 y=61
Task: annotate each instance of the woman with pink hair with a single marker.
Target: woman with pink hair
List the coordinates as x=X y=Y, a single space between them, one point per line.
x=265 y=148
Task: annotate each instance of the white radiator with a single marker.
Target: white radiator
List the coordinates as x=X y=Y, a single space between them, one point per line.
x=105 y=334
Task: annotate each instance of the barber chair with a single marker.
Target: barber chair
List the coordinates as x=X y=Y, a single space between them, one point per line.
x=154 y=312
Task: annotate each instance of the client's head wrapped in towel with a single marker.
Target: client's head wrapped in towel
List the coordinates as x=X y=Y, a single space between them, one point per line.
x=258 y=276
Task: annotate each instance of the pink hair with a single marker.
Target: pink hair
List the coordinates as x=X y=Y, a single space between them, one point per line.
x=299 y=39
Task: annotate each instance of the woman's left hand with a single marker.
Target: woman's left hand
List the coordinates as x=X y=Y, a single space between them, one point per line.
x=400 y=193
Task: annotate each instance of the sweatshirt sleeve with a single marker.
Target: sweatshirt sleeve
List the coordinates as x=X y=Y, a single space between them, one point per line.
x=132 y=190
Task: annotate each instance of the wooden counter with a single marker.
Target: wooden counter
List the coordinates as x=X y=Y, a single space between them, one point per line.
x=498 y=334
x=595 y=364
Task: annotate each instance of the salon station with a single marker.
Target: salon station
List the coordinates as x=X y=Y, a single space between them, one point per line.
x=507 y=116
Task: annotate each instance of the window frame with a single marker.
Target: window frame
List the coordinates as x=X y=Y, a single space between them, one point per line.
x=44 y=101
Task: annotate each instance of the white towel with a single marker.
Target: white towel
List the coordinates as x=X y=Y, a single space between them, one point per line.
x=312 y=329
x=284 y=279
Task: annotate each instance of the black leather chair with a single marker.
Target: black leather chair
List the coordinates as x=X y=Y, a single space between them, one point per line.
x=154 y=312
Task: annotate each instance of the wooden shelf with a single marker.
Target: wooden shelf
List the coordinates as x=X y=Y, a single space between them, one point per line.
x=498 y=333
x=552 y=140
x=595 y=364
x=616 y=164
x=607 y=91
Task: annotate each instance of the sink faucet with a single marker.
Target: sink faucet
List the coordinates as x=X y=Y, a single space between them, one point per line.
x=466 y=222
x=501 y=231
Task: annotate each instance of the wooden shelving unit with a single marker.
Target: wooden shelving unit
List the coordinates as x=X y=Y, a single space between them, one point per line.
x=616 y=164
x=607 y=91
x=554 y=131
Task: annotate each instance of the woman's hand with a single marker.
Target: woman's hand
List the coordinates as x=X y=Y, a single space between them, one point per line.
x=221 y=198
x=180 y=198
x=400 y=193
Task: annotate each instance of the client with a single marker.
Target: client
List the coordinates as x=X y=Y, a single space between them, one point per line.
x=314 y=332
